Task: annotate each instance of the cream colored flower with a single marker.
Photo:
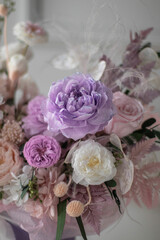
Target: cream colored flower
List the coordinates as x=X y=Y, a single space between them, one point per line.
x=17 y=66
x=14 y=48
x=92 y=164
x=30 y=33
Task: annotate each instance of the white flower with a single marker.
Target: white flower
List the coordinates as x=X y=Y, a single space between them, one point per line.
x=99 y=70
x=30 y=33
x=17 y=66
x=13 y=191
x=14 y=48
x=92 y=164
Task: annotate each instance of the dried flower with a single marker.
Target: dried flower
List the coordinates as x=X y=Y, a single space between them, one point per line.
x=12 y=132
x=60 y=189
x=30 y=33
x=75 y=208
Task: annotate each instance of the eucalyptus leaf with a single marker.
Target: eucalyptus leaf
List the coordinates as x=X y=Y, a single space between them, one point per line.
x=81 y=227
x=61 y=209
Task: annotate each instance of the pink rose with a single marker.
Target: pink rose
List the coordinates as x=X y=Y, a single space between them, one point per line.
x=10 y=161
x=129 y=115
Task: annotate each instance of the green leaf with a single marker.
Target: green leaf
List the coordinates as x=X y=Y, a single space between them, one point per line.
x=149 y=133
x=137 y=136
x=158 y=53
x=109 y=190
x=111 y=183
x=145 y=46
x=81 y=227
x=116 y=198
x=24 y=191
x=61 y=218
x=149 y=122
x=1 y=195
x=129 y=140
x=127 y=92
x=157 y=133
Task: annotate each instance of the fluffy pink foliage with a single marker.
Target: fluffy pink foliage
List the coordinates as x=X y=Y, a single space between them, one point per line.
x=93 y=213
x=146 y=183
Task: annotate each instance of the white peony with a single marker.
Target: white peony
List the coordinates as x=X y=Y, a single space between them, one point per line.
x=92 y=164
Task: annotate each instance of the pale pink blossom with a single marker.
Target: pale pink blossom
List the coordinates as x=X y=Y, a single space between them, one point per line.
x=47 y=178
x=128 y=117
x=30 y=33
x=34 y=208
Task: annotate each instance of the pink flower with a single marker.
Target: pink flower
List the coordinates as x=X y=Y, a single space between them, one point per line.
x=47 y=178
x=34 y=208
x=10 y=162
x=30 y=33
x=129 y=115
x=42 y=151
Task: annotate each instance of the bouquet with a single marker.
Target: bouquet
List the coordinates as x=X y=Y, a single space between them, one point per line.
x=72 y=161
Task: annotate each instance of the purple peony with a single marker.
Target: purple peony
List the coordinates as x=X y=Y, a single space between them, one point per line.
x=34 y=122
x=78 y=105
x=42 y=151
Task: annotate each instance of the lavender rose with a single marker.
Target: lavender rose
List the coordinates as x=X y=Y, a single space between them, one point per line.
x=42 y=151
x=34 y=122
x=78 y=105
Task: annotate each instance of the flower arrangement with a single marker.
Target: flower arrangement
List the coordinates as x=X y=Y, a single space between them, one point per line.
x=82 y=153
